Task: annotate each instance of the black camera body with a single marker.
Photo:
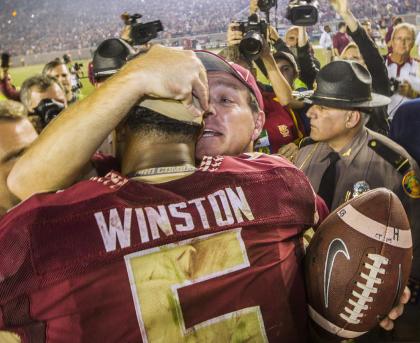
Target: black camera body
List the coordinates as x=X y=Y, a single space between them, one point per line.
x=141 y=33
x=266 y=5
x=5 y=60
x=394 y=85
x=255 y=32
x=47 y=110
x=77 y=66
x=302 y=12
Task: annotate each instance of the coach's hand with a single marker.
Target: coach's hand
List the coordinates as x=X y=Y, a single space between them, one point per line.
x=171 y=74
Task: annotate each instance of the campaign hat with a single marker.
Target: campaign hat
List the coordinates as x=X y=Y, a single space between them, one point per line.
x=346 y=85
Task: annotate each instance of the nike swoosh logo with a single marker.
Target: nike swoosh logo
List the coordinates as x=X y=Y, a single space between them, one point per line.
x=336 y=246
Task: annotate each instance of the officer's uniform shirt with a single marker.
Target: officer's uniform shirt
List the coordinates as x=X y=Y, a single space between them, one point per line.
x=408 y=71
x=360 y=162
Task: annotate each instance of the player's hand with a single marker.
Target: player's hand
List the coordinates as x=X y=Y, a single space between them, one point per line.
x=340 y=6
x=234 y=35
x=171 y=74
x=288 y=151
x=388 y=323
x=253 y=6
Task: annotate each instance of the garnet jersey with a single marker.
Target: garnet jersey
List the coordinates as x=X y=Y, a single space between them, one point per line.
x=211 y=257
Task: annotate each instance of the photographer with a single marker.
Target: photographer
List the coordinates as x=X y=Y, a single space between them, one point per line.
x=76 y=73
x=365 y=51
x=44 y=98
x=403 y=71
x=283 y=128
x=58 y=69
x=6 y=86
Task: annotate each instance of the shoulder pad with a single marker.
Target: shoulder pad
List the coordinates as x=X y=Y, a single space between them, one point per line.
x=305 y=141
x=399 y=162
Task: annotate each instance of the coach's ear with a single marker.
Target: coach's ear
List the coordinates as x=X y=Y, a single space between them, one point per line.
x=259 y=124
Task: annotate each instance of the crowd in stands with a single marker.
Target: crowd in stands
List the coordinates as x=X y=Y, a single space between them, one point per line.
x=80 y=24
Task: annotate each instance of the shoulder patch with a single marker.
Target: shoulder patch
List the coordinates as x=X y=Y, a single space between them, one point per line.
x=411 y=185
x=305 y=141
x=399 y=162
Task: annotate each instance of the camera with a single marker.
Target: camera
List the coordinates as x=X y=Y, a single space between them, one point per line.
x=5 y=60
x=141 y=33
x=255 y=31
x=47 y=110
x=77 y=66
x=302 y=12
x=394 y=85
x=266 y=5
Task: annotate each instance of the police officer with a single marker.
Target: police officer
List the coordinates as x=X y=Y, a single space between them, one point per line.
x=344 y=158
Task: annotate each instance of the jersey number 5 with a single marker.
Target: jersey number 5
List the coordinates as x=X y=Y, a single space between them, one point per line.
x=158 y=274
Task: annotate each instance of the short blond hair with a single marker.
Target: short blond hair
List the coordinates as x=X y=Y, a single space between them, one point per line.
x=12 y=110
x=408 y=26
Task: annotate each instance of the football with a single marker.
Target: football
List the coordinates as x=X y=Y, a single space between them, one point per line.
x=358 y=263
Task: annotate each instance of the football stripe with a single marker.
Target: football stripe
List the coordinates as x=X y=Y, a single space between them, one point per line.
x=332 y=328
x=375 y=230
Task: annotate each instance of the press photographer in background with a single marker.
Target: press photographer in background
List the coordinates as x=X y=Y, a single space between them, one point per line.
x=403 y=71
x=44 y=98
x=76 y=73
x=58 y=70
x=137 y=33
x=6 y=86
x=283 y=128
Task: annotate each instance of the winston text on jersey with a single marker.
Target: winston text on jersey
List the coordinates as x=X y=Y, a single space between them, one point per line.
x=225 y=207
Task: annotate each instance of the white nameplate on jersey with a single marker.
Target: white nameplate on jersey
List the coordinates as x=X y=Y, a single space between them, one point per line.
x=373 y=229
x=158 y=221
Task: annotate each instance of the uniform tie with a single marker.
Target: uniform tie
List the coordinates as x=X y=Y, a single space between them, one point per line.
x=327 y=185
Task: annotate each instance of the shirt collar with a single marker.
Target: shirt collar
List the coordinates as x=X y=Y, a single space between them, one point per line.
x=390 y=61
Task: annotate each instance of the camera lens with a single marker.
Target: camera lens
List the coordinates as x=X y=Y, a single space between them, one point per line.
x=251 y=45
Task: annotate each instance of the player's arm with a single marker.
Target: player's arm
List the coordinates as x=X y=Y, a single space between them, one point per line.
x=67 y=144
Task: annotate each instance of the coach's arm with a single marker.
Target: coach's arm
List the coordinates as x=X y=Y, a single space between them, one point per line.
x=58 y=156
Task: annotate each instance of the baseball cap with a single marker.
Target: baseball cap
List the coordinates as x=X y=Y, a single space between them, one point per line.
x=213 y=62
x=174 y=109
x=288 y=57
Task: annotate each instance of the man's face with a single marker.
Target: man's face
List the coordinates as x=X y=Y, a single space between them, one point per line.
x=287 y=70
x=291 y=38
x=403 y=42
x=54 y=92
x=15 y=138
x=327 y=123
x=230 y=126
x=61 y=73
